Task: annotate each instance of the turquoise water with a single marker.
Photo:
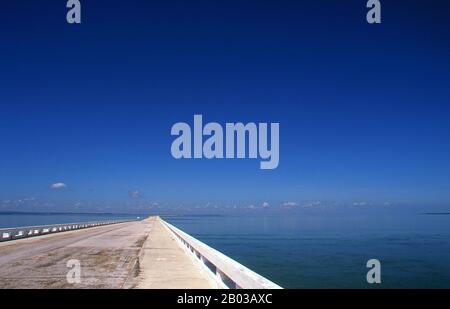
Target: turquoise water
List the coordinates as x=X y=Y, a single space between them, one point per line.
x=317 y=251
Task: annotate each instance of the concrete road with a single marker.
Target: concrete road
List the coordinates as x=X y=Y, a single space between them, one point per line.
x=164 y=265
x=126 y=255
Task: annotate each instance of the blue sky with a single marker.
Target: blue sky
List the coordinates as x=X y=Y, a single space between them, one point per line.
x=363 y=109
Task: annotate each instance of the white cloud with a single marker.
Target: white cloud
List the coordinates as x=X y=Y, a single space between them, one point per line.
x=58 y=185
x=265 y=205
x=134 y=194
x=289 y=205
x=312 y=204
x=359 y=203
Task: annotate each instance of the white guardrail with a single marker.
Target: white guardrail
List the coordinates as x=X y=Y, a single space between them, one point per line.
x=31 y=231
x=224 y=271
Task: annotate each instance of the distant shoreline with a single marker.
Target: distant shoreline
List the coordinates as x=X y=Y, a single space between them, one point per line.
x=51 y=213
x=46 y=213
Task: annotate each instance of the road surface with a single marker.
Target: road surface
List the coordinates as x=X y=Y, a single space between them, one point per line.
x=139 y=254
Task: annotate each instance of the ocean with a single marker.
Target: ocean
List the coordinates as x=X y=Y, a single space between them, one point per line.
x=320 y=251
x=312 y=250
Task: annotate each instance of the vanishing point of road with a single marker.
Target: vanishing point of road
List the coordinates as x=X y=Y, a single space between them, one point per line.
x=137 y=254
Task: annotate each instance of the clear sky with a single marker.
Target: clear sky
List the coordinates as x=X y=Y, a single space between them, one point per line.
x=363 y=109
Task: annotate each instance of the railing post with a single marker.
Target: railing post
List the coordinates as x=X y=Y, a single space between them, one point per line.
x=219 y=275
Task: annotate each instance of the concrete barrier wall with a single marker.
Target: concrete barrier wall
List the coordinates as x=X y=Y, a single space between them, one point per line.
x=226 y=272
x=8 y=234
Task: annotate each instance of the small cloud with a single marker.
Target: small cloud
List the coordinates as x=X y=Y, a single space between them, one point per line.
x=312 y=204
x=134 y=194
x=251 y=207
x=289 y=205
x=265 y=205
x=359 y=203
x=58 y=186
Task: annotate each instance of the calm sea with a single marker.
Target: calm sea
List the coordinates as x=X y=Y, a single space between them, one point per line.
x=317 y=251
x=313 y=251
